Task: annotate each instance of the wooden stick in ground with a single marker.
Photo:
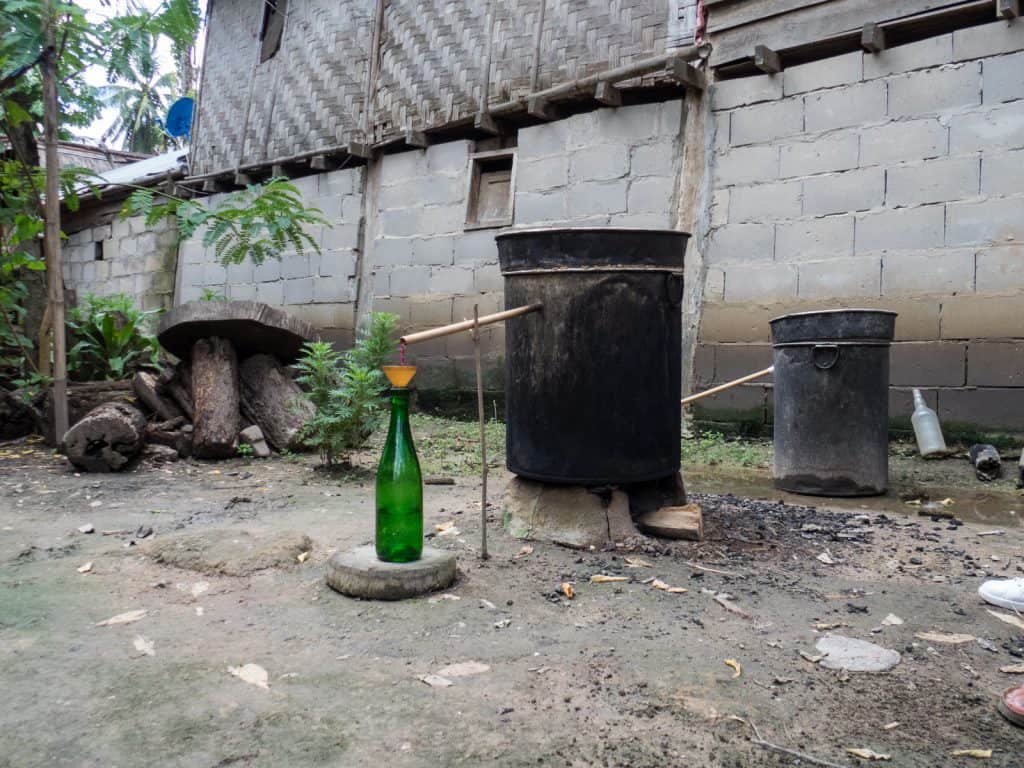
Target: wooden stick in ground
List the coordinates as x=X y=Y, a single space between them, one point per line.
x=483 y=433
x=728 y=385
x=468 y=325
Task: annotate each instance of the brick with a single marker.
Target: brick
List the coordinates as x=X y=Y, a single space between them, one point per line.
x=763 y=283
x=741 y=91
x=626 y=124
x=840 y=278
x=294 y=265
x=1000 y=128
x=398 y=196
x=330 y=207
x=766 y=122
x=735 y=360
x=651 y=195
x=808 y=239
x=450 y=280
x=934 y=181
x=487 y=278
x=452 y=157
x=1001 y=174
x=241 y=292
x=642 y=220
x=940 y=271
x=1001 y=78
x=594 y=197
x=901 y=229
x=236 y=273
x=658 y=159
x=441 y=190
x=903 y=140
x=433 y=251
x=987 y=40
x=981 y=317
x=543 y=139
x=474 y=248
x=747 y=401
x=997 y=408
x=826 y=73
x=670 y=119
x=1000 y=270
x=998 y=220
x=600 y=163
x=189 y=293
x=832 y=153
x=298 y=291
x=270 y=293
x=905 y=58
x=213 y=273
x=995 y=364
x=857 y=190
x=489 y=303
x=764 y=202
x=741 y=242
x=442 y=219
x=720 y=203
x=409 y=281
x=381 y=283
x=927 y=364
x=343 y=182
x=901 y=402
x=542 y=175
x=844 y=107
x=745 y=165
x=532 y=208
x=400 y=167
x=935 y=90
x=401 y=223
x=337 y=264
x=720 y=126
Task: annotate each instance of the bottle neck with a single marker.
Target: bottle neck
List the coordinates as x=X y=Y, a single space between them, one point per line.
x=399 y=402
x=919 y=400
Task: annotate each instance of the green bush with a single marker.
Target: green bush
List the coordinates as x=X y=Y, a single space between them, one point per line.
x=346 y=389
x=110 y=338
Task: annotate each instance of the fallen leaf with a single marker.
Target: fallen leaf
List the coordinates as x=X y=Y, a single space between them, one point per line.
x=659 y=584
x=813 y=659
x=947 y=502
x=833 y=625
x=464 y=669
x=981 y=754
x=1009 y=619
x=736 y=667
x=939 y=637
x=442 y=527
x=892 y=725
x=892 y=620
x=85 y=568
x=144 y=646
x=445 y=596
x=253 y=674
x=869 y=754
x=603 y=578
x=825 y=558
x=435 y=681
x=87 y=528
x=567 y=590
x=302 y=557
x=637 y=562
x=123 y=618
x=1013 y=669
x=523 y=552
x=453 y=531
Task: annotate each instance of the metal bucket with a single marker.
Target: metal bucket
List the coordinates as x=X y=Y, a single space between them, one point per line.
x=832 y=401
x=592 y=381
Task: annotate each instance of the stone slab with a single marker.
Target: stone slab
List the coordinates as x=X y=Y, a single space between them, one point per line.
x=359 y=573
x=855 y=655
x=680 y=522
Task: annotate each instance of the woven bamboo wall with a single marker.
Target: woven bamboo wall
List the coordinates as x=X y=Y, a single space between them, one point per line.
x=311 y=94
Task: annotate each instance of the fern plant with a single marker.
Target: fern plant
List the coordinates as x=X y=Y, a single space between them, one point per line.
x=346 y=390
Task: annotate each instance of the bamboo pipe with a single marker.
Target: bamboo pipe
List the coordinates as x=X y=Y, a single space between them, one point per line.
x=728 y=385
x=466 y=325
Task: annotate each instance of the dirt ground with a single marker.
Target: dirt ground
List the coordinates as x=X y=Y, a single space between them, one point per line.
x=622 y=675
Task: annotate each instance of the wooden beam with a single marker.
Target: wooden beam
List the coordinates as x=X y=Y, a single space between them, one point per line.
x=320 y=163
x=872 y=38
x=242 y=180
x=359 y=149
x=277 y=170
x=416 y=139
x=541 y=108
x=767 y=60
x=1008 y=9
x=608 y=94
x=484 y=122
x=686 y=74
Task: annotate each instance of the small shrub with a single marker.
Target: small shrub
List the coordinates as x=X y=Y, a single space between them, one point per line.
x=346 y=389
x=209 y=294
x=112 y=338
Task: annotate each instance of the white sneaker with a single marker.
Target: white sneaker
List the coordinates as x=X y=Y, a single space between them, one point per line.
x=1006 y=593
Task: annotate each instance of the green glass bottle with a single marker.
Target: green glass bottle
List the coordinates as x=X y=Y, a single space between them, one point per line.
x=399 y=489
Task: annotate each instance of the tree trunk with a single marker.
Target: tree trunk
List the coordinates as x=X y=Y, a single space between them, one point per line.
x=145 y=386
x=273 y=400
x=107 y=439
x=178 y=439
x=83 y=397
x=215 y=398
x=176 y=383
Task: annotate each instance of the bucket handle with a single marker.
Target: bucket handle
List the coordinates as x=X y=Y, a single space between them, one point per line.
x=825 y=356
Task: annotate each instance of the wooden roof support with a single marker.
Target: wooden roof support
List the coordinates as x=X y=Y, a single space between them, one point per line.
x=541 y=108
x=767 y=60
x=608 y=94
x=417 y=139
x=484 y=122
x=1008 y=9
x=359 y=149
x=686 y=74
x=872 y=38
x=242 y=179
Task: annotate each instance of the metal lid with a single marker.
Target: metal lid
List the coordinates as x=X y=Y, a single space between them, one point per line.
x=599 y=248
x=834 y=325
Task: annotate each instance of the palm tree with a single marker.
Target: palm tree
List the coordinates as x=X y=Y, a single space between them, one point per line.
x=141 y=97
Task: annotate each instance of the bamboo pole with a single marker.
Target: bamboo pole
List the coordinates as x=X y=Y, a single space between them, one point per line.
x=483 y=433
x=728 y=385
x=467 y=325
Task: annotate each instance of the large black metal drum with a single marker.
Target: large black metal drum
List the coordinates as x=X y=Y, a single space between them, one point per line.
x=592 y=381
x=832 y=401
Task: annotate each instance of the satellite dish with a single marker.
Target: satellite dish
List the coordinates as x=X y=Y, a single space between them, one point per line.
x=179 y=117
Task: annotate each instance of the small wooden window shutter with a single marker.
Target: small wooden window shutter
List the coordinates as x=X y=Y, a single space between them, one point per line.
x=273 y=25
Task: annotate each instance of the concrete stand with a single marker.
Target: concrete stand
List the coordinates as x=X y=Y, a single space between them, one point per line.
x=358 y=573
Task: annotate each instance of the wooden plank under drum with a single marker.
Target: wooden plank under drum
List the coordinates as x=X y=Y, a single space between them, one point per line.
x=685 y=522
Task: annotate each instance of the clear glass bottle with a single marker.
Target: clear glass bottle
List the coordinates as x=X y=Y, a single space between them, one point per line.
x=926 y=428
x=399 y=500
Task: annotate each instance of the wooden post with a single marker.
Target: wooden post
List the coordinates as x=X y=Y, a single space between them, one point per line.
x=483 y=433
x=51 y=234
x=767 y=60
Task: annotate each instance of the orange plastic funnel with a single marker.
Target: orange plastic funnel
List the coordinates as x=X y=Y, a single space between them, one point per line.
x=399 y=375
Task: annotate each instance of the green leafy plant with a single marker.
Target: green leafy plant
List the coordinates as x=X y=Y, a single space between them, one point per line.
x=244 y=450
x=112 y=338
x=346 y=389
x=210 y=294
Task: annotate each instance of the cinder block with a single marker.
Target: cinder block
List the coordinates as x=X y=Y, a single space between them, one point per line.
x=488 y=304
x=487 y=278
x=726 y=94
x=189 y=293
x=975 y=316
x=642 y=220
x=306 y=186
x=735 y=360
x=720 y=128
x=747 y=165
x=860 y=276
x=903 y=140
x=998 y=220
x=239 y=292
x=442 y=219
x=1000 y=128
x=294 y=265
x=765 y=283
x=747 y=401
x=905 y=58
x=236 y=273
x=933 y=181
x=995 y=364
x=857 y=190
x=831 y=153
x=901 y=229
x=658 y=159
x=394 y=306
x=670 y=118
x=474 y=248
x=927 y=364
x=652 y=195
x=626 y=124
x=810 y=239
x=988 y=40
x=714 y=284
x=592 y=198
x=825 y=73
x=766 y=122
x=213 y=274
x=410 y=281
x=331 y=289
x=330 y=206
x=764 y=202
x=343 y=182
x=703 y=368
x=542 y=140
x=442 y=190
x=298 y=291
x=542 y=175
x=901 y=401
x=935 y=90
x=534 y=207
x=449 y=280
x=381 y=282
x=400 y=167
x=720 y=202
x=1002 y=174
x=943 y=271
x=438 y=251
x=401 y=223
x=993 y=407
x=270 y=293
x=337 y=264
x=1000 y=270
x=452 y=157
x=397 y=196
x=1001 y=78
x=600 y=163
x=844 y=107
x=392 y=250
x=741 y=242
x=190 y=252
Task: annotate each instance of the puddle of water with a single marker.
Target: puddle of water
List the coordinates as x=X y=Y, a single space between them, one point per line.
x=993 y=509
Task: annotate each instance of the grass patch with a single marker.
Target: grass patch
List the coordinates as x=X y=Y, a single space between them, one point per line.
x=715 y=449
x=451 y=447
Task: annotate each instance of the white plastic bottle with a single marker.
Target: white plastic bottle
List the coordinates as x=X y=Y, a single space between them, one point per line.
x=926 y=428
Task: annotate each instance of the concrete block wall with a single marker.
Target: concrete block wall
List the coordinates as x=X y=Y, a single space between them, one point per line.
x=889 y=180
x=136 y=260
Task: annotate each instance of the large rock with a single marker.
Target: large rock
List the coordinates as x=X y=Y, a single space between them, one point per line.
x=854 y=655
x=566 y=514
